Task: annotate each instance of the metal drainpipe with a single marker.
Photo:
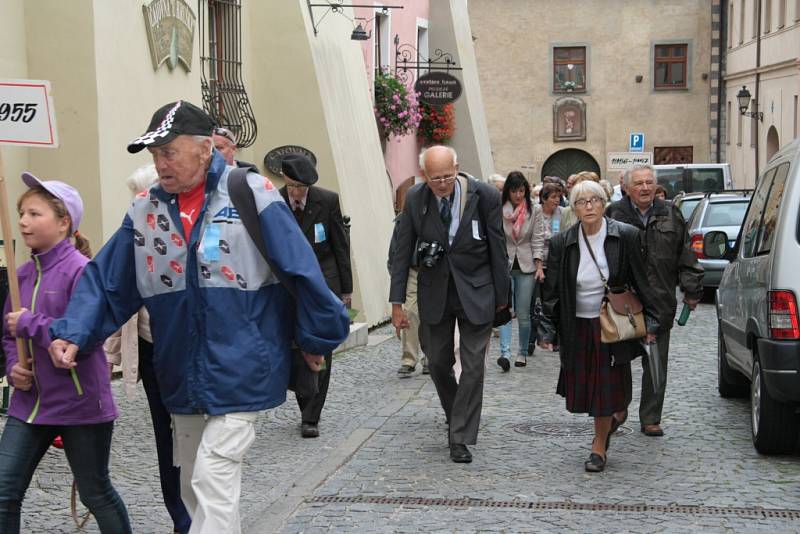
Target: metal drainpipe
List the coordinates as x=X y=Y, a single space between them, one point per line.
x=758 y=84
x=723 y=48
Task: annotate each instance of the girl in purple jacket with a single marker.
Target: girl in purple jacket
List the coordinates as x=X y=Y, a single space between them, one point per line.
x=76 y=404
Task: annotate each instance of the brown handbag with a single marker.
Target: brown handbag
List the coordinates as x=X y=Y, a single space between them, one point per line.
x=621 y=313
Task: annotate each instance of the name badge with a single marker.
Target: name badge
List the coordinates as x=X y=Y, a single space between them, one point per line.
x=319 y=233
x=476 y=233
x=209 y=245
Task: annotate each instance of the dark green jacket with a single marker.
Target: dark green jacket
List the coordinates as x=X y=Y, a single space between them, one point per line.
x=668 y=256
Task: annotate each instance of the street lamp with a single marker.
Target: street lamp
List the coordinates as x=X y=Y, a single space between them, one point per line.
x=743 y=96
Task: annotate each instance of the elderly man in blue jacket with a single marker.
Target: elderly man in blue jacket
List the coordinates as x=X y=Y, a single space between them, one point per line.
x=222 y=324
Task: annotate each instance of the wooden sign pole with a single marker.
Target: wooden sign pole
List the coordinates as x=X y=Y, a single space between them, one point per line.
x=8 y=247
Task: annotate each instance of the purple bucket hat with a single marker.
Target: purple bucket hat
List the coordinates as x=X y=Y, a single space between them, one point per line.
x=64 y=192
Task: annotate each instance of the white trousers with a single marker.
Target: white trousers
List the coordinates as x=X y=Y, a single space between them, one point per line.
x=209 y=450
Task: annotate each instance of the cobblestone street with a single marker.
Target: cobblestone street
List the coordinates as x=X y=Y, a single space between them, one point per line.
x=382 y=465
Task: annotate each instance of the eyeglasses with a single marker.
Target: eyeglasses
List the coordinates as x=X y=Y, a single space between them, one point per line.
x=595 y=201
x=227 y=134
x=443 y=180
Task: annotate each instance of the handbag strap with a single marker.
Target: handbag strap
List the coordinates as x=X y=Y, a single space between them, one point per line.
x=591 y=253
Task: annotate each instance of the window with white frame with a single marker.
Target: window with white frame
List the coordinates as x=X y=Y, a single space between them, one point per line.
x=767 y=15
x=423 y=46
x=382 y=29
x=739 y=128
x=731 y=20
x=728 y=121
x=742 y=11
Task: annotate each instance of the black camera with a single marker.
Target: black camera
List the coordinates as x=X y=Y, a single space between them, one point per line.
x=428 y=254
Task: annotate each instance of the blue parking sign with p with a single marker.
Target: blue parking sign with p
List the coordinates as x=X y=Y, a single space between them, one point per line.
x=636 y=143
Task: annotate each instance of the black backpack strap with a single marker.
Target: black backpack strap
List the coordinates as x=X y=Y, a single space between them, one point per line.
x=245 y=204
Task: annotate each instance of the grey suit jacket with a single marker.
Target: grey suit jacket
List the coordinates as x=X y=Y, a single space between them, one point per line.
x=477 y=260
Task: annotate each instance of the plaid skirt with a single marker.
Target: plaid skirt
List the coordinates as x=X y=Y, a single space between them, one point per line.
x=593 y=385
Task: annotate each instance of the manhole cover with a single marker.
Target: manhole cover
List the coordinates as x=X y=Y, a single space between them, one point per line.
x=562 y=429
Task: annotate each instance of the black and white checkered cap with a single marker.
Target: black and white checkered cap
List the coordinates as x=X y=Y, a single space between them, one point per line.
x=170 y=121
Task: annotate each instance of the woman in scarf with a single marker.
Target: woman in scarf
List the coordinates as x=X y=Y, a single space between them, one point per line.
x=520 y=219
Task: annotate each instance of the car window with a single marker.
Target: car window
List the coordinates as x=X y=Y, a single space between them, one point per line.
x=687 y=207
x=725 y=213
x=671 y=179
x=706 y=180
x=754 y=213
x=769 y=226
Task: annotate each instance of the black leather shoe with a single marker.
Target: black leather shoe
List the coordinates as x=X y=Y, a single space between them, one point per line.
x=595 y=463
x=460 y=453
x=309 y=430
x=504 y=363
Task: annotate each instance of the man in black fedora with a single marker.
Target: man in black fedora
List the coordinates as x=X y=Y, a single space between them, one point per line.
x=319 y=215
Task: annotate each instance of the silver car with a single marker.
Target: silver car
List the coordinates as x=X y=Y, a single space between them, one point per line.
x=759 y=329
x=721 y=212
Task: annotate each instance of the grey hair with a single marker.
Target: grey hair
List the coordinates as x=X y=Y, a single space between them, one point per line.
x=495 y=178
x=201 y=139
x=638 y=167
x=587 y=186
x=142 y=178
x=424 y=151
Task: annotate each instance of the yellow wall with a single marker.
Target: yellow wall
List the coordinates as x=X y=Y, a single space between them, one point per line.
x=13 y=65
x=314 y=92
x=305 y=90
x=128 y=93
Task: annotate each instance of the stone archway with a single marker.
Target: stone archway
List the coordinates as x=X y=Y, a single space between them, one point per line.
x=569 y=161
x=773 y=143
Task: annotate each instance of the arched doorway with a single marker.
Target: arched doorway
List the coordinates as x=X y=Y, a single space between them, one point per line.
x=773 y=143
x=569 y=161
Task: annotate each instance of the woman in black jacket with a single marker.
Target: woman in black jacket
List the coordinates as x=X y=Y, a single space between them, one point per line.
x=593 y=374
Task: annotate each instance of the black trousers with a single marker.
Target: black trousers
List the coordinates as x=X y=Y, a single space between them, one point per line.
x=462 y=401
x=311 y=407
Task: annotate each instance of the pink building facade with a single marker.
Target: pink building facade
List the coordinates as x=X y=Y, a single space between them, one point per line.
x=410 y=26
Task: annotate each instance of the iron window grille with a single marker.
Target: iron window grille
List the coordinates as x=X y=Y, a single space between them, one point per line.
x=224 y=94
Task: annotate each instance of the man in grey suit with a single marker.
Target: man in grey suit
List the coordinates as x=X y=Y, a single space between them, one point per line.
x=454 y=222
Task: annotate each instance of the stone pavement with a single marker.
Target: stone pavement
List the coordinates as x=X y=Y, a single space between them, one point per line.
x=381 y=464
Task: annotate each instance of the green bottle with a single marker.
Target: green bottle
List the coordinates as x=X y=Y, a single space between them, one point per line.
x=684 y=315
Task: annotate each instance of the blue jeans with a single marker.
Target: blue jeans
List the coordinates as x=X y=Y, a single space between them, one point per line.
x=522 y=287
x=87 y=448
x=169 y=475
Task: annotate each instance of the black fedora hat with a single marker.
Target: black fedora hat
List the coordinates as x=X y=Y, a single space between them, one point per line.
x=299 y=168
x=170 y=121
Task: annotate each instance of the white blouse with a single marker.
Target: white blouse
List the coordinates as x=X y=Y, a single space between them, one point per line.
x=590 y=288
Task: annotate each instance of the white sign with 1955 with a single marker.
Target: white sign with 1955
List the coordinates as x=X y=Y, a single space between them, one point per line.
x=27 y=114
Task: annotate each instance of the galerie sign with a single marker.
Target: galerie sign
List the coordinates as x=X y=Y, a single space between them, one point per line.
x=170 y=32
x=438 y=88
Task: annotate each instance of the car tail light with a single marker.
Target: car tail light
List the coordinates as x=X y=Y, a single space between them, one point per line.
x=697 y=246
x=783 y=322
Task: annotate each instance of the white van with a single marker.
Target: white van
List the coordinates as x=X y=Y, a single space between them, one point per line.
x=757 y=312
x=694 y=177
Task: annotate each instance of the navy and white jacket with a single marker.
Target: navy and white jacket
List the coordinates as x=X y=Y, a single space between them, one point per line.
x=221 y=322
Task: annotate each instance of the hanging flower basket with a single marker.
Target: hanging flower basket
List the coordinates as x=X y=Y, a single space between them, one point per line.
x=437 y=124
x=396 y=108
